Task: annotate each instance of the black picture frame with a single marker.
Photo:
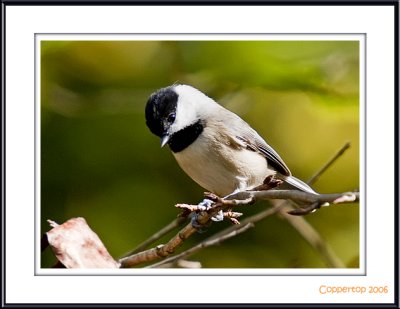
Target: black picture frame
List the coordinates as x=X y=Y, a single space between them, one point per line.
x=390 y=4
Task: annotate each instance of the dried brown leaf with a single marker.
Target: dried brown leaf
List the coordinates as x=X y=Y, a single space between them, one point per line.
x=77 y=246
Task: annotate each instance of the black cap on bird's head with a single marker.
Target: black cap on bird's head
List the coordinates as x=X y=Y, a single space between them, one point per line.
x=161 y=112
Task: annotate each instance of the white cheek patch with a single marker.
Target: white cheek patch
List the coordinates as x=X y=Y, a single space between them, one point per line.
x=192 y=105
x=188 y=98
x=185 y=115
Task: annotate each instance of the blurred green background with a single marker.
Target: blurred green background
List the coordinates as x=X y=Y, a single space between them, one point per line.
x=99 y=160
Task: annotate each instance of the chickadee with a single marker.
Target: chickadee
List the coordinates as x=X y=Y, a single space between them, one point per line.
x=214 y=146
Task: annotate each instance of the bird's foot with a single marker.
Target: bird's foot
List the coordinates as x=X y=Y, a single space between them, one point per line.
x=209 y=205
x=218 y=217
x=269 y=182
x=205 y=204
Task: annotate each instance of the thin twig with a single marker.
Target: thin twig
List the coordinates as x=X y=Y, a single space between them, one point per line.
x=212 y=241
x=341 y=151
x=252 y=219
x=294 y=195
x=165 y=230
x=305 y=229
x=163 y=251
x=249 y=220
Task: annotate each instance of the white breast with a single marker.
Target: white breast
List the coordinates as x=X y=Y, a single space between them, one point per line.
x=222 y=168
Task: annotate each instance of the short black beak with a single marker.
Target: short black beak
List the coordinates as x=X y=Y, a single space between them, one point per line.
x=164 y=139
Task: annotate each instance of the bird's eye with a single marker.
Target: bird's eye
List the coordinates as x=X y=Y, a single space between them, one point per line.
x=171 y=118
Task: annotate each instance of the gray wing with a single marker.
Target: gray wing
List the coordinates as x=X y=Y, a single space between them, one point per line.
x=247 y=137
x=251 y=140
x=257 y=144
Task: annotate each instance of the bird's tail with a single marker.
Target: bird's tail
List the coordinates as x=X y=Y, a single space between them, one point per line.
x=298 y=184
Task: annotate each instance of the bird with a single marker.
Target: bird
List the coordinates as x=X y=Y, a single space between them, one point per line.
x=214 y=146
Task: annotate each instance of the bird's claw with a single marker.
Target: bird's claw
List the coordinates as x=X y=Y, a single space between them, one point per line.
x=218 y=217
x=205 y=204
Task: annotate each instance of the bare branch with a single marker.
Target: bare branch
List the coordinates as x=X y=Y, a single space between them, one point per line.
x=341 y=151
x=165 y=230
x=246 y=197
x=163 y=251
x=212 y=241
x=252 y=219
x=241 y=198
x=147 y=257
x=306 y=230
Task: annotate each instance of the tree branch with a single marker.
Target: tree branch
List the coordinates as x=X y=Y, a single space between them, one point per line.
x=211 y=241
x=163 y=251
x=306 y=230
x=247 y=197
x=165 y=230
x=229 y=230
x=341 y=151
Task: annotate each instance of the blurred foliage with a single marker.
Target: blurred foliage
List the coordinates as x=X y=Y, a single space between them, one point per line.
x=99 y=160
